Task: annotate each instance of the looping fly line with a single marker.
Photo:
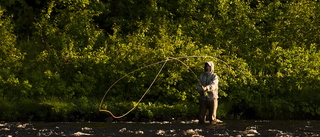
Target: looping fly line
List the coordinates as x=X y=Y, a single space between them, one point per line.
x=155 y=78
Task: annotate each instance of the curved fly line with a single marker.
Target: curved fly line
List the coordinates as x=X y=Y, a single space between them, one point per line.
x=155 y=78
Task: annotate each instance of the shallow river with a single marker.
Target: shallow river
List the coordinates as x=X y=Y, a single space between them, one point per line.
x=234 y=128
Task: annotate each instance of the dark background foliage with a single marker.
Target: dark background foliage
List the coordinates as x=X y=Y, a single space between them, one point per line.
x=59 y=57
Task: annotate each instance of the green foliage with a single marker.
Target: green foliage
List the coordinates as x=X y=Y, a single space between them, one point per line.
x=10 y=61
x=156 y=111
x=61 y=56
x=59 y=109
x=8 y=110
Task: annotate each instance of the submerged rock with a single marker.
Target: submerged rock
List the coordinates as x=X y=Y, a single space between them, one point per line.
x=81 y=134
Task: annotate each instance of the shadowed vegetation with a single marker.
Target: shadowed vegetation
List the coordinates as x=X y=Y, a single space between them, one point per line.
x=58 y=58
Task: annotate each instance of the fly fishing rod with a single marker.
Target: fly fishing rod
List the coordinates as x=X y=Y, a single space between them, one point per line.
x=155 y=78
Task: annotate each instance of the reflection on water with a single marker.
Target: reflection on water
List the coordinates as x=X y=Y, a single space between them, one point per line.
x=235 y=128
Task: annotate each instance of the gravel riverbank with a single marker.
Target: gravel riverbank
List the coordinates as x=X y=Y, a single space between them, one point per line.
x=149 y=129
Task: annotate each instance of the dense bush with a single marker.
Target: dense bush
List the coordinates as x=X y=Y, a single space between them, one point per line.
x=58 y=58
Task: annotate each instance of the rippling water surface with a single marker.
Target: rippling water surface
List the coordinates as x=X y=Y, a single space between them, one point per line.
x=235 y=128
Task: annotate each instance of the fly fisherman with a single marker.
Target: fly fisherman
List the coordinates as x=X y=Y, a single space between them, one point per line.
x=208 y=89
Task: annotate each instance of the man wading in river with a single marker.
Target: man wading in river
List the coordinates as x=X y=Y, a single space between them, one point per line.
x=208 y=89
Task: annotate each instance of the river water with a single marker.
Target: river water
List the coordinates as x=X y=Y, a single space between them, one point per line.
x=236 y=128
